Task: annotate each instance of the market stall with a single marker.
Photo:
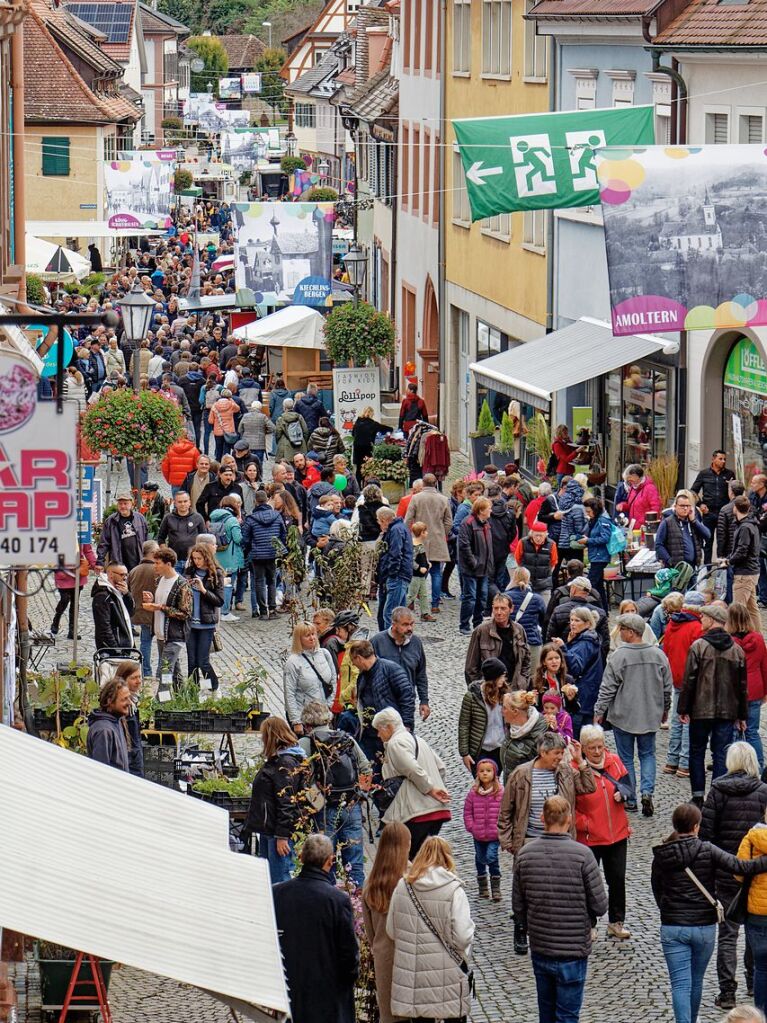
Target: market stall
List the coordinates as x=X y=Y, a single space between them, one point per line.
x=294 y=340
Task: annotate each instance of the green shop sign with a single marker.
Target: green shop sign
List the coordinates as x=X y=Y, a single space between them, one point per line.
x=745 y=368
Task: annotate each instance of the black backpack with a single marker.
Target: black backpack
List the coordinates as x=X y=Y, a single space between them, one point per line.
x=335 y=766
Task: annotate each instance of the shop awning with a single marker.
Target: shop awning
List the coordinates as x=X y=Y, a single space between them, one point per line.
x=295 y=326
x=534 y=371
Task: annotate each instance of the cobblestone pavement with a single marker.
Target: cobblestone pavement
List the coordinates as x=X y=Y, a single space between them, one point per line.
x=627 y=981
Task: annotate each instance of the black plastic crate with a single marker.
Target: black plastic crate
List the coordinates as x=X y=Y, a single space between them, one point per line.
x=159 y=764
x=233 y=804
x=45 y=721
x=205 y=760
x=177 y=720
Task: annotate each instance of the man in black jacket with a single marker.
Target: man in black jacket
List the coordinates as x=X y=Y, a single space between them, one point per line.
x=112 y=609
x=503 y=526
x=710 y=485
x=581 y=595
x=215 y=492
x=180 y=528
x=319 y=947
x=725 y=530
x=744 y=559
x=398 y=644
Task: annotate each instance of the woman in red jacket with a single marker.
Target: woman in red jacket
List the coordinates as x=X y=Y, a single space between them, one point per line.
x=682 y=630
x=180 y=460
x=602 y=824
x=753 y=646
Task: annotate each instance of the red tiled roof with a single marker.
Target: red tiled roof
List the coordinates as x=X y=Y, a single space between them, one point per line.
x=243 y=51
x=592 y=8
x=708 y=23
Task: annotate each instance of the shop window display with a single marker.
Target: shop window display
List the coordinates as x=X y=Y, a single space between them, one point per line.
x=638 y=411
x=745 y=397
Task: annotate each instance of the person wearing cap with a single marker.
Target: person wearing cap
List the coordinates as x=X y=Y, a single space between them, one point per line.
x=254 y=428
x=481 y=729
x=243 y=456
x=635 y=694
x=122 y=534
x=538 y=553
x=572 y=569
x=714 y=696
x=399 y=644
x=582 y=594
x=222 y=486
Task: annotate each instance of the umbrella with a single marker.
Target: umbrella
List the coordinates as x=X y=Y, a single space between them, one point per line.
x=222 y=263
x=42 y=258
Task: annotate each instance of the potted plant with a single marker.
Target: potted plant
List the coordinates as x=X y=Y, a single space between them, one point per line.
x=503 y=450
x=388 y=466
x=539 y=441
x=664 y=472
x=356 y=334
x=482 y=438
x=232 y=794
x=62 y=705
x=238 y=710
x=136 y=426
x=56 y=963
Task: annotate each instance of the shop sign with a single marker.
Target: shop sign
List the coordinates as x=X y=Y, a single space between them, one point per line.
x=38 y=472
x=737 y=440
x=745 y=368
x=353 y=391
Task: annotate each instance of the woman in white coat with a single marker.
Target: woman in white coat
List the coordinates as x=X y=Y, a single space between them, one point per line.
x=309 y=676
x=430 y=923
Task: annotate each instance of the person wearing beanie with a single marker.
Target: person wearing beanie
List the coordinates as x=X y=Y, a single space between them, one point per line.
x=682 y=630
x=538 y=553
x=714 y=696
x=557 y=718
x=480 y=818
x=481 y=729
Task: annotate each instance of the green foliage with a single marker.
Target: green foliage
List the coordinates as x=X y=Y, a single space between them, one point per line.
x=241 y=785
x=36 y=288
x=538 y=437
x=224 y=17
x=90 y=286
x=485 y=424
x=354 y=334
x=182 y=180
x=320 y=193
x=387 y=452
x=272 y=85
x=383 y=469
x=186 y=11
x=289 y=164
x=244 y=695
x=338 y=582
x=212 y=52
x=505 y=444
x=140 y=426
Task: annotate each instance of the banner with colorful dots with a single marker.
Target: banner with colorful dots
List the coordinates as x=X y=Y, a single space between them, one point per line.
x=284 y=251
x=686 y=236
x=139 y=189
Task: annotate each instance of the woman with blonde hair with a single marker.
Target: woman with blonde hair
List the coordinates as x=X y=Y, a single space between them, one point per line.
x=529 y=611
x=629 y=607
x=430 y=923
x=389 y=867
x=525 y=726
x=309 y=675
x=744 y=1014
x=364 y=433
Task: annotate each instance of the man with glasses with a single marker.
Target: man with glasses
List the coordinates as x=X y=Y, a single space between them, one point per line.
x=112 y=609
x=681 y=534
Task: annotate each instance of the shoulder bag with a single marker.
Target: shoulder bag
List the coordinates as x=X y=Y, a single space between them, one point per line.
x=622 y=785
x=383 y=794
x=229 y=438
x=737 y=911
x=457 y=958
x=327 y=687
x=523 y=606
x=720 y=916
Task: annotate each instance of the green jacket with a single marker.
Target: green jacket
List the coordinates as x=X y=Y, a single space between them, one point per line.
x=472 y=722
x=515 y=752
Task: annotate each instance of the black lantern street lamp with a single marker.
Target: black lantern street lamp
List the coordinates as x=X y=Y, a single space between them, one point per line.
x=356 y=263
x=136 y=308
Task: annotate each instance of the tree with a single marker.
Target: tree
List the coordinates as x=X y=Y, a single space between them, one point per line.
x=290 y=164
x=272 y=86
x=182 y=180
x=356 y=333
x=186 y=11
x=226 y=16
x=320 y=193
x=211 y=51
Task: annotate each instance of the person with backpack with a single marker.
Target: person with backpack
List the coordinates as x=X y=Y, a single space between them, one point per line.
x=221 y=418
x=225 y=526
x=341 y=772
x=598 y=540
x=412 y=410
x=290 y=432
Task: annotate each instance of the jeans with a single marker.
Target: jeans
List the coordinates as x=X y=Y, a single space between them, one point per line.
x=145 y=646
x=560 y=984
x=222 y=447
x=198 y=645
x=720 y=733
x=228 y=593
x=751 y=735
x=197 y=426
x=756 y=935
x=473 y=598
x=280 y=867
x=486 y=858
x=687 y=951
x=396 y=591
x=709 y=521
x=170 y=654
x=761 y=589
x=645 y=744
x=265 y=577
x=679 y=738
x=613 y=860
x=596 y=574
x=207 y=431
x=343 y=826
x=727 y=944
x=435 y=574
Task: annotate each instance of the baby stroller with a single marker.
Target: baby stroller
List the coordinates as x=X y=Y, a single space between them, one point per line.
x=667 y=580
x=106 y=660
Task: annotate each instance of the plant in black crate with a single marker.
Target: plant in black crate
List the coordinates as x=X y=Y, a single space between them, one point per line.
x=482 y=438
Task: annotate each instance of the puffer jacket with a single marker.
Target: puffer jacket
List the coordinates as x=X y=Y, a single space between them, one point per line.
x=327 y=443
x=681 y=632
x=276 y=806
x=753 y=646
x=599 y=819
x=555 y=876
x=259 y=530
x=386 y=684
x=231 y=558
x=735 y=803
x=254 y=426
x=515 y=805
x=486 y=642
x=574 y=525
x=312 y=410
x=426 y=981
x=180 y=460
x=715 y=679
x=559 y=622
x=221 y=416
x=422 y=770
x=518 y=750
x=532 y=617
x=584 y=662
x=480 y=811
x=395 y=560
x=599 y=533
x=472 y=722
x=639 y=501
x=755 y=844
x=678 y=898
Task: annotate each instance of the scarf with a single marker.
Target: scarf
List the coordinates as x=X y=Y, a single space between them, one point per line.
x=519 y=731
x=600 y=766
x=120 y=603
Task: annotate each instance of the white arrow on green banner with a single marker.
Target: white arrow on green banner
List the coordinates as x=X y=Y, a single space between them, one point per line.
x=542 y=161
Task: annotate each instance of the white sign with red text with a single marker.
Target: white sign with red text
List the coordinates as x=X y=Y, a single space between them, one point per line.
x=38 y=472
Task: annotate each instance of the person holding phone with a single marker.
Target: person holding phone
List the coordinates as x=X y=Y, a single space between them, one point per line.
x=681 y=534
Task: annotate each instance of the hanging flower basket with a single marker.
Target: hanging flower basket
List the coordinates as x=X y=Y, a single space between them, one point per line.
x=136 y=426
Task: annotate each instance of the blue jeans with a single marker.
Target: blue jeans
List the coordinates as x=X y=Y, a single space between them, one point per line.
x=720 y=733
x=560 y=984
x=645 y=744
x=687 y=951
x=207 y=431
x=280 y=867
x=756 y=935
x=486 y=858
x=228 y=593
x=473 y=599
x=396 y=591
x=678 y=738
x=761 y=588
x=198 y=645
x=751 y=735
x=145 y=646
x=343 y=826
x=435 y=574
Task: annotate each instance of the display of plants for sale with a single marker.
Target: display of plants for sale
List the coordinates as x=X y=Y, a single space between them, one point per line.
x=230 y=793
x=388 y=467
x=64 y=701
x=192 y=710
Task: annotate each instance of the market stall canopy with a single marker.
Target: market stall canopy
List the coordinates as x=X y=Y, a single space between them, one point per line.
x=204 y=915
x=295 y=326
x=85 y=229
x=533 y=371
x=44 y=259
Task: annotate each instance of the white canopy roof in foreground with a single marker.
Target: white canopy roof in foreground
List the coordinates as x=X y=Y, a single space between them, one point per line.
x=76 y=837
x=533 y=371
x=295 y=326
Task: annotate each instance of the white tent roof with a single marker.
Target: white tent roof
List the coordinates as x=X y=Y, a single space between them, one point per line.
x=39 y=253
x=85 y=229
x=295 y=326
x=205 y=916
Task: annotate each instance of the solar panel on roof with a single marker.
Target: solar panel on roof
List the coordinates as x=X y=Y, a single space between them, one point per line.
x=113 y=20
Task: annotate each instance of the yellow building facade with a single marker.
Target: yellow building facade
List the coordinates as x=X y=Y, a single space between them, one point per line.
x=496 y=269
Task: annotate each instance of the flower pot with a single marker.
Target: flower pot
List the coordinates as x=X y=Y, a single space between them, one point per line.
x=479 y=451
x=55 y=975
x=500 y=459
x=393 y=491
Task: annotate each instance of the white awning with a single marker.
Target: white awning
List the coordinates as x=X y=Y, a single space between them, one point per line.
x=85 y=229
x=534 y=371
x=295 y=326
x=204 y=915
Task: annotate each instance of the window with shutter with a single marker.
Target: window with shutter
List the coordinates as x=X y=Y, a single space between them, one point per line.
x=751 y=129
x=717 y=129
x=55 y=156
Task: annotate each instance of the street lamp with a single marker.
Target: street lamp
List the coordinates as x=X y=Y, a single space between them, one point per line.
x=356 y=264
x=291 y=143
x=136 y=309
x=268 y=24
x=323 y=168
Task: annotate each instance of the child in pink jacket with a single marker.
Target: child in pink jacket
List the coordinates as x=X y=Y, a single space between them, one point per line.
x=480 y=818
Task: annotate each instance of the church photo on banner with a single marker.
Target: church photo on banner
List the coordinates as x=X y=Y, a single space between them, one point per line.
x=686 y=237
x=139 y=188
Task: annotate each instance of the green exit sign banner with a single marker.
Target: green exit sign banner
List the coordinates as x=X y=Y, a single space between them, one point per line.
x=543 y=161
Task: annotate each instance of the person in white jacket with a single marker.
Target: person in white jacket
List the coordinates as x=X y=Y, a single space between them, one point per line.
x=421 y=800
x=310 y=675
x=430 y=923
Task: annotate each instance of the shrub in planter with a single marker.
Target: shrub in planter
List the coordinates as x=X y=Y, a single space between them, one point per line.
x=182 y=180
x=290 y=164
x=482 y=437
x=136 y=426
x=354 y=334
x=320 y=193
x=503 y=449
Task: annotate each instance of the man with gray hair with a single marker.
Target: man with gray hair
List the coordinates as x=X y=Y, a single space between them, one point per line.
x=635 y=695
x=399 y=644
x=340 y=770
x=319 y=947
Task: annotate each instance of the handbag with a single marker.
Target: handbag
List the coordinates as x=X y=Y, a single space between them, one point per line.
x=383 y=794
x=229 y=438
x=327 y=687
x=623 y=785
x=216 y=645
x=454 y=955
x=737 y=911
x=720 y=915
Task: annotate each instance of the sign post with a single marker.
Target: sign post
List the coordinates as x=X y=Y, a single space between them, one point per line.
x=353 y=391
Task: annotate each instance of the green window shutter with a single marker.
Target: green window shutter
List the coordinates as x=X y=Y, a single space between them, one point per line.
x=55 y=156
